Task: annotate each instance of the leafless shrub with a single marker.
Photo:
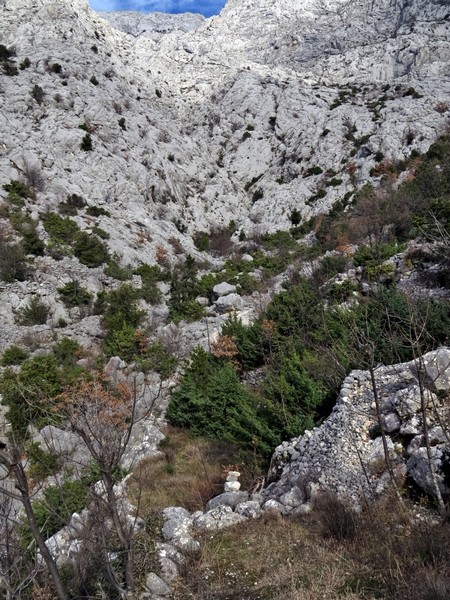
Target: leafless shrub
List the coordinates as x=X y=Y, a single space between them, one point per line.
x=176 y=245
x=220 y=243
x=161 y=256
x=337 y=518
x=33 y=176
x=171 y=340
x=441 y=107
x=164 y=137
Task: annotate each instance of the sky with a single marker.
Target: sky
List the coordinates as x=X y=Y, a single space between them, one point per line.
x=204 y=7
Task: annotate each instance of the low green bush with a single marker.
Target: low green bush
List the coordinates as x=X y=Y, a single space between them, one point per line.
x=86 y=143
x=374 y=255
x=17 y=188
x=66 y=352
x=72 y=294
x=213 y=403
x=121 y=307
x=201 y=241
x=184 y=288
x=295 y=394
x=31 y=242
x=157 y=358
x=13 y=265
x=38 y=93
x=54 y=510
x=28 y=393
x=42 y=463
x=295 y=217
x=114 y=270
x=34 y=313
x=13 y=356
x=97 y=211
x=316 y=170
x=101 y=233
x=90 y=250
x=121 y=317
x=123 y=341
x=60 y=229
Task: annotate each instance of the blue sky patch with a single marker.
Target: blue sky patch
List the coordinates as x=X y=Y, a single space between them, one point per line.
x=204 y=7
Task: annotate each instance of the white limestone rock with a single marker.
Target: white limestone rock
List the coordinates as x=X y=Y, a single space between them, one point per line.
x=155 y=585
x=419 y=468
x=232 y=486
x=218 y=518
x=223 y=289
x=250 y=509
x=231 y=499
x=228 y=303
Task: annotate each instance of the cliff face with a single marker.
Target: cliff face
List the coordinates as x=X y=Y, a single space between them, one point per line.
x=264 y=92
x=266 y=109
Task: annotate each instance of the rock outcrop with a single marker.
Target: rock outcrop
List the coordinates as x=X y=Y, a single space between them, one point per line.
x=346 y=453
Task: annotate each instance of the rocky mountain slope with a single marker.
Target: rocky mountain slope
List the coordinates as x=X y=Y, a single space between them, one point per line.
x=131 y=143
x=265 y=111
x=227 y=119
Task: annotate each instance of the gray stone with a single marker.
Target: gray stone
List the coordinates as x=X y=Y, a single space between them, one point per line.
x=233 y=476
x=223 y=289
x=437 y=368
x=419 y=468
x=202 y=301
x=144 y=441
x=399 y=471
x=412 y=426
x=227 y=499
x=293 y=497
x=438 y=436
x=303 y=509
x=417 y=442
x=169 y=569
x=408 y=401
x=115 y=364
x=274 y=506
x=250 y=509
x=377 y=458
x=390 y=422
x=156 y=585
x=217 y=518
x=232 y=486
x=175 y=526
x=175 y=512
x=226 y=303
x=169 y=551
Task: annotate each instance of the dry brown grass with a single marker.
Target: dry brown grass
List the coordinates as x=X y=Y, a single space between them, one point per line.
x=276 y=558
x=187 y=473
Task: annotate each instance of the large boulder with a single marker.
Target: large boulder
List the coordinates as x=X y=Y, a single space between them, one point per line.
x=223 y=289
x=227 y=303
